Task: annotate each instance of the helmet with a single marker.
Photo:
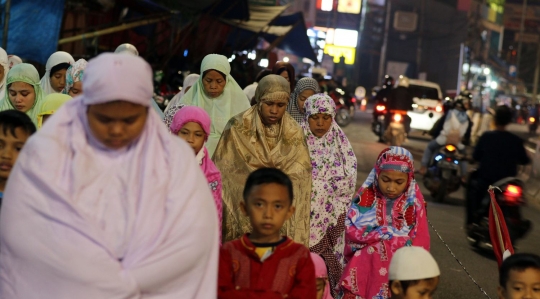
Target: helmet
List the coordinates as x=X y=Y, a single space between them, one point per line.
x=466 y=93
x=403 y=81
x=458 y=104
x=388 y=81
x=464 y=100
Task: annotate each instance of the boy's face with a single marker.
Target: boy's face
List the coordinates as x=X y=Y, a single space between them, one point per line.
x=424 y=289
x=268 y=206
x=521 y=284
x=10 y=146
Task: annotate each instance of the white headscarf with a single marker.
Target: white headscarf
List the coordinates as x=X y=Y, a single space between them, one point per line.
x=14 y=60
x=188 y=82
x=5 y=64
x=55 y=59
x=127 y=48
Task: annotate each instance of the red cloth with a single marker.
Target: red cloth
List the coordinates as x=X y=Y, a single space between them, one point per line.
x=287 y=273
x=498 y=231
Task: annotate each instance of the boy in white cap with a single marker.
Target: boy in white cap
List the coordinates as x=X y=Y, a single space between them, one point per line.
x=413 y=274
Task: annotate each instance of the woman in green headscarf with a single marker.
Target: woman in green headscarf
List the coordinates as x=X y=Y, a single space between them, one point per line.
x=24 y=91
x=217 y=92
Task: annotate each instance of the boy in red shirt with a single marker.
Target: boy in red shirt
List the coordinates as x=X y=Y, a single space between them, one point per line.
x=264 y=264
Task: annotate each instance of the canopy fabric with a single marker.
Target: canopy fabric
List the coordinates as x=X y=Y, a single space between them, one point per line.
x=259 y=17
x=296 y=40
x=267 y=21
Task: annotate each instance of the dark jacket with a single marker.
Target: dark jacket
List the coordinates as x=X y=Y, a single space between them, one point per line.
x=400 y=99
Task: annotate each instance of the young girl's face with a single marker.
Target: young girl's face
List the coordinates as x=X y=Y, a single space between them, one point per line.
x=392 y=183
x=194 y=135
x=320 y=287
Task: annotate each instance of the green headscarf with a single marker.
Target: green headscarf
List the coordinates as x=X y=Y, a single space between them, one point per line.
x=231 y=102
x=26 y=73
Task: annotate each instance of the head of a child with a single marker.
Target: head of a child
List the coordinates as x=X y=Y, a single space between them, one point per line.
x=519 y=277
x=192 y=124
x=413 y=274
x=268 y=202
x=321 y=276
x=394 y=171
x=15 y=128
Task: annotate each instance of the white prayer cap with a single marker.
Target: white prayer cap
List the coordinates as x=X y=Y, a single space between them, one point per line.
x=127 y=48
x=413 y=263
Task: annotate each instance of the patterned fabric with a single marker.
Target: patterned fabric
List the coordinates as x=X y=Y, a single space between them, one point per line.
x=169 y=115
x=333 y=183
x=246 y=145
x=188 y=82
x=370 y=240
x=4 y=63
x=302 y=85
x=26 y=73
x=74 y=74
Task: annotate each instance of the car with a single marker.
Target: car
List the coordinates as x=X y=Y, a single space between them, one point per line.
x=427 y=107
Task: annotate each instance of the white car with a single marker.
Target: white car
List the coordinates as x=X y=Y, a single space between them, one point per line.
x=427 y=97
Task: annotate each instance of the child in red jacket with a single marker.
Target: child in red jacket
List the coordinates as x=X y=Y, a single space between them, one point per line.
x=264 y=264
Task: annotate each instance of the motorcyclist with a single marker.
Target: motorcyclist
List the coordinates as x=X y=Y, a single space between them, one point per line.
x=455 y=126
x=447 y=106
x=381 y=98
x=499 y=153
x=384 y=93
x=400 y=99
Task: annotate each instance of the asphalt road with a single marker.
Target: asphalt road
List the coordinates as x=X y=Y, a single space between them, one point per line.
x=447 y=218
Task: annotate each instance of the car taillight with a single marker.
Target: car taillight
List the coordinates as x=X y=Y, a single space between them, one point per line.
x=397 y=117
x=380 y=108
x=513 y=191
x=353 y=100
x=438 y=108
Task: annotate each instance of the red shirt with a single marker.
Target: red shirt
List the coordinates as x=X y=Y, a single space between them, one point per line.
x=287 y=273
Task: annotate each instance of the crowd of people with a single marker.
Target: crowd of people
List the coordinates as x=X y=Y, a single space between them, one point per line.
x=225 y=195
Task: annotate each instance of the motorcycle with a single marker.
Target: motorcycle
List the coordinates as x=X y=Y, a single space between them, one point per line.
x=533 y=125
x=345 y=106
x=510 y=199
x=443 y=175
x=377 y=126
x=396 y=134
x=343 y=117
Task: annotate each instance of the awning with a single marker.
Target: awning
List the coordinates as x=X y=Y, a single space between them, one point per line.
x=259 y=17
x=288 y=33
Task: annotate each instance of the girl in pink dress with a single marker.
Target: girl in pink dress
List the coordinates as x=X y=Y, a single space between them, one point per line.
x=192 y=124
x=387 y=214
